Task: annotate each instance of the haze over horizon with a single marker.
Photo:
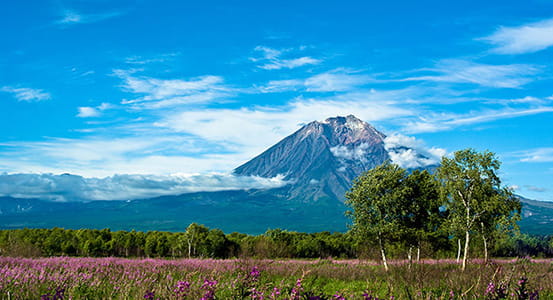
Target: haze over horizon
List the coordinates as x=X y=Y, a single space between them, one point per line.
x=180 y=94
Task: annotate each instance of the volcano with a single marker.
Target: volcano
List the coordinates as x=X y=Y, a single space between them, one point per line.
x=322 y=158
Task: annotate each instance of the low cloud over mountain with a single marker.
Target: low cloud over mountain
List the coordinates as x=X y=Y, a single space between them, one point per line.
x=67 y=187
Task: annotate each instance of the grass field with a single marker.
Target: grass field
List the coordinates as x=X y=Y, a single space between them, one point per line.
x=117 y=278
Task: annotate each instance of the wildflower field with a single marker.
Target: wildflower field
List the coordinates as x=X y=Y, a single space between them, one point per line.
x=119 y=278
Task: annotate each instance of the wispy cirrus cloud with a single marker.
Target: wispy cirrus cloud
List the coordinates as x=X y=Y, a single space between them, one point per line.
x=338 y=80
x=435 y=122
x=142 y=60
x=272 y=59
x=527 y=38
x=71 y=17
x=27 y=94
x=538 y=155
x=463 y=71
x=160 y=93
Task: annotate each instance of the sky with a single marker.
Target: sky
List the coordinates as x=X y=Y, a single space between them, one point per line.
x=174 y=94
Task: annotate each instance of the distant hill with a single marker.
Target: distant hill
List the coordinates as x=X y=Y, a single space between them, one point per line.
x=320 y=161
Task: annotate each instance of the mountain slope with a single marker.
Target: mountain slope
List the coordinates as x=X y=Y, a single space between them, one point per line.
x=321 y=158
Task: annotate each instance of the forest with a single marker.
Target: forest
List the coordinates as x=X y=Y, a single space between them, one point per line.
x=202 y=242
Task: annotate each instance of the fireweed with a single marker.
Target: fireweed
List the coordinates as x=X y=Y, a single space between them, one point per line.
x=118 y=278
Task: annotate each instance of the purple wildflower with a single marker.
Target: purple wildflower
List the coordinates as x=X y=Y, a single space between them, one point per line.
x=182 y=288
x=149 y=295
x=255 y=273
x=337 y=296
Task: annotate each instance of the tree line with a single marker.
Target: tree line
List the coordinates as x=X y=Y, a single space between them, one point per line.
x=196 y=241
x=201 y=242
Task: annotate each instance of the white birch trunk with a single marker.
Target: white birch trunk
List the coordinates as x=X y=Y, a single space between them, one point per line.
x=419 y=252
x=458 y=250
x=384 y=261
x=466 y=252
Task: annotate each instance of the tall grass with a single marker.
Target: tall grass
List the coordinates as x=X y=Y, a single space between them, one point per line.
x=117 y=278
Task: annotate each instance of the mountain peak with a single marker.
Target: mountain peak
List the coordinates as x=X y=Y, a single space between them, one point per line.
x=322 y=158
x=349 y=120
x=345 y=130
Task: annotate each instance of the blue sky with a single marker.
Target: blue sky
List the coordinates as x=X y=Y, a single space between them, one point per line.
x=150 y=88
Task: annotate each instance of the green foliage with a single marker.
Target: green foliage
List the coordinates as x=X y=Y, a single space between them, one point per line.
x=423 y=217
x=474 y=198
x=378 y=199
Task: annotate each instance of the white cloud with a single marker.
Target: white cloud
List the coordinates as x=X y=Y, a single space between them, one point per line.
x=192 y=140
x=88 y=112
x=286 y=85
x=70 y=17
x=252 y=130
x=356 y=152
x=159 y=93
x=462 y=71
x=434 y=122
x=408 y=152
x=140 y=60
x=268 y=53
x=146 y=152
x=524 y=100
x=27 y=94
x=527 y=38
x=339 y=80
x=272 y=59
x=68 y=187
x=289 y=63
x=537 y=155
x=335 y=81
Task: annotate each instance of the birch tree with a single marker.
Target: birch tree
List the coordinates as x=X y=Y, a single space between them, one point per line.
x=377 y=200
x=473 y=193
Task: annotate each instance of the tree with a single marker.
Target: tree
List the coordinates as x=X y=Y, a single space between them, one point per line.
x=195 y=237
x=472 y=192
x=216 y=243
x=378 y=201
x=423 y=217
x=499 y=216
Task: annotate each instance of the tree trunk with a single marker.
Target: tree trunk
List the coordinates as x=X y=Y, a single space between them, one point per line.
x=384 y=261
x=485 y=249
x=458 y=250
x=466 y=252
x=189 y=249
x=410 y=256
x=485 y=244
x=419 y=251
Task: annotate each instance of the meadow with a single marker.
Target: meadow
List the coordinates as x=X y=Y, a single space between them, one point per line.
x=123 y=278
